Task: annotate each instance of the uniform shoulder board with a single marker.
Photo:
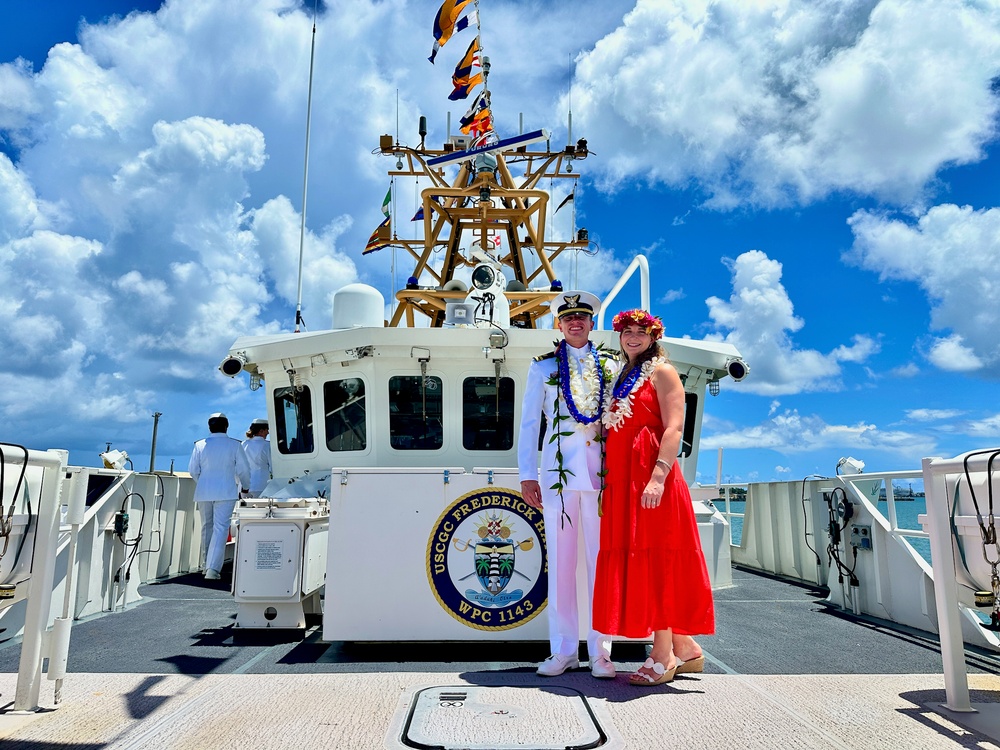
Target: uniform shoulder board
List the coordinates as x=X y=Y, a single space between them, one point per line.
x=543 y=357
x=610 y=354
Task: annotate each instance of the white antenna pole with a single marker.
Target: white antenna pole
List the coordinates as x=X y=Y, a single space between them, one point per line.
x=569 y=103
x=305 y=174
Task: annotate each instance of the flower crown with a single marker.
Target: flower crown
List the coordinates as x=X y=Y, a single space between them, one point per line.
x=652 y=324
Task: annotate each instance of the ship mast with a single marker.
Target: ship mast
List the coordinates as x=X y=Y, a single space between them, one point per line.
x=485 y=214
x=502 y=216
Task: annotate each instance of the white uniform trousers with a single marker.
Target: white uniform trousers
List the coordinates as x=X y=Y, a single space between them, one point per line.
x=562 y=543
x=215 y=519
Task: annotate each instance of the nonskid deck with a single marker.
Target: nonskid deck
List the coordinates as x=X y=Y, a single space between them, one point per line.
x=783 y=670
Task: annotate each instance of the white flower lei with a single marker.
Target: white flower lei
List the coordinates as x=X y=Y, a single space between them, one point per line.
x=585 y=387
x=619 y=410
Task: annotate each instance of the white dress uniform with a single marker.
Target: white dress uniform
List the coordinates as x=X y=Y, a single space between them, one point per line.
x=258 y=452
x=582 y=456
x=220 y=469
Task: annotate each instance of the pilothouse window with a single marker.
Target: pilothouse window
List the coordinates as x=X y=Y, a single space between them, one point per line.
x=415 y=413
x=344 y=408
x=488 y=414
x=293 y=417
x=690 y=412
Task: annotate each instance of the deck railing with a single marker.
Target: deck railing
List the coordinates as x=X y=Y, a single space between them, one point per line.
x=881 y=563
x=67 y=553
x=942 y=482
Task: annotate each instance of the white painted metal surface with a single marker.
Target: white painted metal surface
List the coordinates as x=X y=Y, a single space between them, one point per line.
x=948 y=493
x=386 y=536
x=786 y=527
x=389 y=528
x=38 y=606
x=280 y=561
x=64 y=555
x=374 y=355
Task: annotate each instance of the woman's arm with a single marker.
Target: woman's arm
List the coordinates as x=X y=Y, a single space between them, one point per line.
x=670 y=395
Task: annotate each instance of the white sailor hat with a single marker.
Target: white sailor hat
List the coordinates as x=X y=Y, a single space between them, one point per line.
x=259 y=423
x=217 y=415
x=575 y=302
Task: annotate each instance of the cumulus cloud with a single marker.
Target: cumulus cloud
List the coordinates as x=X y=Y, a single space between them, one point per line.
x=909 y=370
x=672 y=295
x=950 y=252
x=932 y=415
x=794 y=433
x=133 y=249
x=953 y=355
x=988 y=427
x=19 y=205
x=780 y=101
x=759 y=319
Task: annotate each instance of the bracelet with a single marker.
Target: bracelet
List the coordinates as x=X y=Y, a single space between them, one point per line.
x=664 y=464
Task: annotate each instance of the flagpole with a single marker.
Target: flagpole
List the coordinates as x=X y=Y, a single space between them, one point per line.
x=305 y=173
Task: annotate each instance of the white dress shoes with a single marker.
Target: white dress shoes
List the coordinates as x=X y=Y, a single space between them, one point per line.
x=212 y=575
x=602 y=668
x=557 y=664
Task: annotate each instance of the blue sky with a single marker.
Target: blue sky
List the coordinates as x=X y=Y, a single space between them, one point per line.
x=813 y=181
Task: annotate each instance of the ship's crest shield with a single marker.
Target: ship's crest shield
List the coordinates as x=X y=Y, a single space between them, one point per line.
x=492 y=538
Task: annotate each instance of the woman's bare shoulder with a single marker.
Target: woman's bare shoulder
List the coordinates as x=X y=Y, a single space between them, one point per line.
x=665 y=374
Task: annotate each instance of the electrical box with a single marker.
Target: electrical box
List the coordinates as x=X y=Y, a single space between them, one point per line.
x=861 y=537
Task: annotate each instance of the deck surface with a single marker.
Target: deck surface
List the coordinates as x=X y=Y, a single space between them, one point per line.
x=783 y=670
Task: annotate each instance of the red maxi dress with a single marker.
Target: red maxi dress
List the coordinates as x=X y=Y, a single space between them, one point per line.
x=651 y=572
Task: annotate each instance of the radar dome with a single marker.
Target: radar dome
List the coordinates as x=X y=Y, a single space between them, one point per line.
x=358 y=306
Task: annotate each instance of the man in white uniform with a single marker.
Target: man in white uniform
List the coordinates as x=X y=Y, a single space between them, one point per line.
x=219 y=466
x=566 y=386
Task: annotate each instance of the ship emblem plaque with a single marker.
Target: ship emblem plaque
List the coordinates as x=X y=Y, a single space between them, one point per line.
x=486 y=560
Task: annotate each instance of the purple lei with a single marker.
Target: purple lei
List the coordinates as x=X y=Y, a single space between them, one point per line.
x=623 y=388
x=563 y=358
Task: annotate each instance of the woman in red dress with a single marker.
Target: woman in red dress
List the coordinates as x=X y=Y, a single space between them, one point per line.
x=651 y=573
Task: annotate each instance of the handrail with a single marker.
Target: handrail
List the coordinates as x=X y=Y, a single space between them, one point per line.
x=53 y=464
x=936 y=472
x=640 y=262
x=956 y=678
x=54 y=570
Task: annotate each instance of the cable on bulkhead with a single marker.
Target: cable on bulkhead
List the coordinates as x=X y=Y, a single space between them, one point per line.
x=157 y=511
x=121 y=532
x=987 y=529
x=805 y=525
x=833 y=548
x=7 y=520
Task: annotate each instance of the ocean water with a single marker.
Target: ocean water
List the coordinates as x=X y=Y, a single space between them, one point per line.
x=906 y=518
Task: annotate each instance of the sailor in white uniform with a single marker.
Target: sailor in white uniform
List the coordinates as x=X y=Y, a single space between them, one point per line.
x=220 y=469
x=258 y=451
x=566 y=387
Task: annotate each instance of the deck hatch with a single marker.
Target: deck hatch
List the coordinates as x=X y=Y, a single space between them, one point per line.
x=473 y=717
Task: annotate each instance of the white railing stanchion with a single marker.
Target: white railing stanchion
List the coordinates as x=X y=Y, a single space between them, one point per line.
x=956 y=679
x=890 y=506
x=38 y=605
